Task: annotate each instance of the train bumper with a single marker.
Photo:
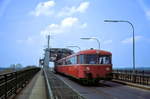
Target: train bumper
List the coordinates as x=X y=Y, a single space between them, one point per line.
x=89 y=76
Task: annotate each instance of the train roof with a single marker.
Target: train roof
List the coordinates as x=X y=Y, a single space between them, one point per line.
x=94 y=51
x=90 y=51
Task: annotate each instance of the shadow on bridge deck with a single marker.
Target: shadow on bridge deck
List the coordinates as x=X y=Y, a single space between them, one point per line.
x=36 y=89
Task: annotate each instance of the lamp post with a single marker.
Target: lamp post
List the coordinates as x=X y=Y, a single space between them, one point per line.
x=133 y=39
x=93 y=39
x=76 y=47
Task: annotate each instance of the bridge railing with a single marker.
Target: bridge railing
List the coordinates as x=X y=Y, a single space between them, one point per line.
x=13 y=82
x=140 y=77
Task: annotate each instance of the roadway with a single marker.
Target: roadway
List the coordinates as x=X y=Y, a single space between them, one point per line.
x=107 y=90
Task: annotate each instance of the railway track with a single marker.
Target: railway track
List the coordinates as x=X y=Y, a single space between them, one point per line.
x=60 y=89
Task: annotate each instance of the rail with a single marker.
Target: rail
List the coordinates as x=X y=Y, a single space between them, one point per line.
x=60 y=89
x=11 y=83
x=139 y=77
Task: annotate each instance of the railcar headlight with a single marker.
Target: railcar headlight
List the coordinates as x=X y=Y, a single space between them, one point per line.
x=87 y=69
x=107 y=69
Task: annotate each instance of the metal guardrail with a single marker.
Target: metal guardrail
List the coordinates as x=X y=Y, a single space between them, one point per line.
x=142 y=72
x=139 y=77
x=59 y=89
x=49 y=89
x=11 y=83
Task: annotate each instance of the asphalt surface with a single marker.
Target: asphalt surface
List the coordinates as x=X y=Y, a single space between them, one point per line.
x=108 y=90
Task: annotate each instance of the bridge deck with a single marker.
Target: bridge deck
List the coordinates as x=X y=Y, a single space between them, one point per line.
x=36 y=89
x=108 y=90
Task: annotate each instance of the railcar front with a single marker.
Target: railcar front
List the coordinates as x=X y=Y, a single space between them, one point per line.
x=95 y=68
x=88 y=66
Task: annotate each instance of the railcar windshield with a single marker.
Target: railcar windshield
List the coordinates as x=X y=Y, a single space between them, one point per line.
x=91 y=59
x=104 y=60
x=95 y=59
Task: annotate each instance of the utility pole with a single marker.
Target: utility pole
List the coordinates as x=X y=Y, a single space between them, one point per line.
x=48 y=41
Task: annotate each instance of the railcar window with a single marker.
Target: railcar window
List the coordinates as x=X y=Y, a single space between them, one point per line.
x=75 y=60
x=87 y=59
x=68 y=61
x=94 y=59
x=91 y=59
x=104 y=60
x=72 y=60
x=81 y=57
x=63 y=63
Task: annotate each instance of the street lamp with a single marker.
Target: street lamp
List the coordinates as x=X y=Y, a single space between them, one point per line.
x=132 y=39
x=76 y=47
x=93 y=39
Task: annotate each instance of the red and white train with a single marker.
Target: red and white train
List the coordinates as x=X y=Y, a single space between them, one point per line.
x=88 y=66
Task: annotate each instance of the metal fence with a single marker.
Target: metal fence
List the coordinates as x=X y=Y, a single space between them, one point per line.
x=11 y=83
x=140 y=77
x=59 y=89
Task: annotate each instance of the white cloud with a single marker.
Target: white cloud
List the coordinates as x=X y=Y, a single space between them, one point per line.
x=83 y=6
x=130 y=39
x=68 y=11
x=44 y=8
x=68 y=22
x=64 y=26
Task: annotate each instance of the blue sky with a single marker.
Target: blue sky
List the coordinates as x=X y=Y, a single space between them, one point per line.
x=24 y=25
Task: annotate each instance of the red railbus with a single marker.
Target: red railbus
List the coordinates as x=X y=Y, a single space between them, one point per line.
x=88 y=66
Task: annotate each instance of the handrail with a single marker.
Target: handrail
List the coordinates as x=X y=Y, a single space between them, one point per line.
x=49 y=89
x=11 y=83
x=139 y=77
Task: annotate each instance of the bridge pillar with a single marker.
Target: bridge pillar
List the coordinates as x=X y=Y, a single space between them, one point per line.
x=46 y=58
